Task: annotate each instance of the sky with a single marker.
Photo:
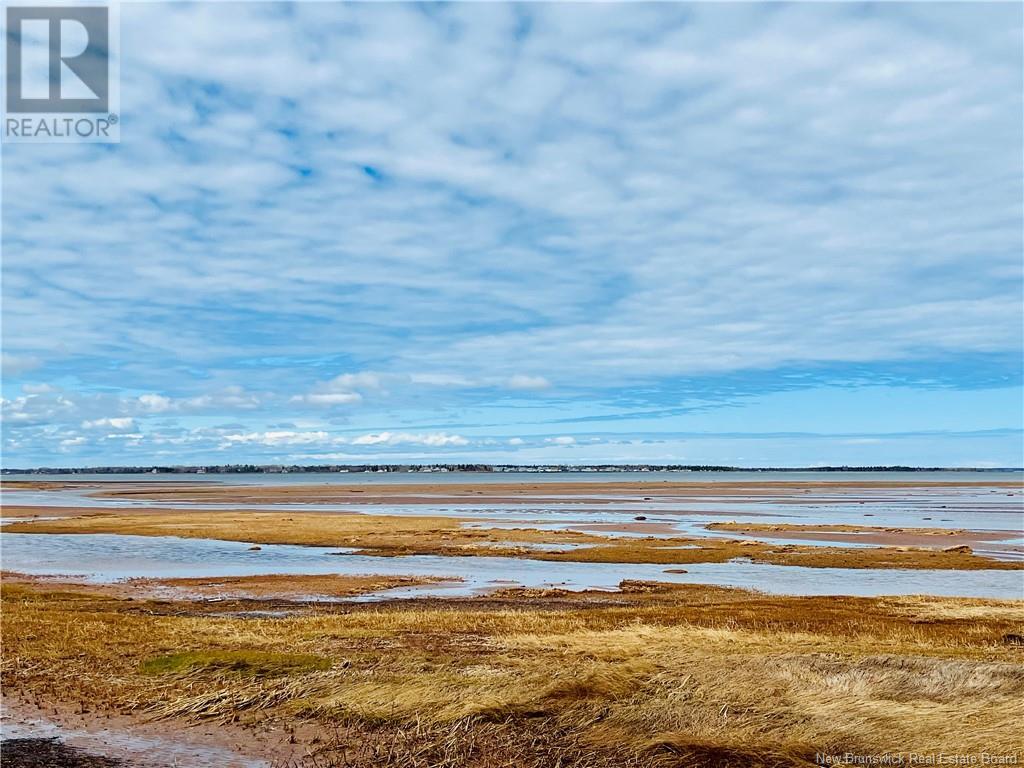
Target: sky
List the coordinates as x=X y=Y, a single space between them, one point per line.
x=772 y=234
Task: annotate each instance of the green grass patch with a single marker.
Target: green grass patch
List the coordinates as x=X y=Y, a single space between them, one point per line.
x=250 y=663
x=34 y=594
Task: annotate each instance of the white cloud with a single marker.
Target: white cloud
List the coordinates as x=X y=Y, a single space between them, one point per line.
x=522 y=381
x=329 y=398
x=563 y=440
x=119 y=422
x=441 y=380
x=436 y=439
x=342 y=390
x=351 y=381
x=277 y=437
x=155 y=403
x=15 y=365
x=37 y=409
x=230 y=398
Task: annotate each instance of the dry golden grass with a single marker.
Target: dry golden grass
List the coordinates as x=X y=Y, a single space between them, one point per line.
x=656 y=675
x=391 y=534
x=248 y=663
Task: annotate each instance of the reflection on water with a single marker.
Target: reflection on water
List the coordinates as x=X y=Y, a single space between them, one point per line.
x=125 y=743
x=112 y=557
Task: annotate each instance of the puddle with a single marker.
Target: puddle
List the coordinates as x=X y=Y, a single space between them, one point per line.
x=136 y=749
x=541 y=546
x=104 y=558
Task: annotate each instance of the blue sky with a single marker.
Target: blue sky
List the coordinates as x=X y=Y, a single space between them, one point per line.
x=723 y=233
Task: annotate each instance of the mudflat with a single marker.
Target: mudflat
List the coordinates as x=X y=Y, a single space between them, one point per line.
x=452 y=492
x=324 y=670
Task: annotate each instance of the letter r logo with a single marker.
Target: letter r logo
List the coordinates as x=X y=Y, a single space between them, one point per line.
x=66 y=49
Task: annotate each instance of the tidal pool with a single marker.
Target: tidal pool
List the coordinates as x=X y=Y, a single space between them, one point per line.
x=101 y=558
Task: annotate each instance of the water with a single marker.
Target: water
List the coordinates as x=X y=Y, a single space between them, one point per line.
x=142 y=749
x=388 y=478
x=995 y=514
x=998 y=513
x=103 y=558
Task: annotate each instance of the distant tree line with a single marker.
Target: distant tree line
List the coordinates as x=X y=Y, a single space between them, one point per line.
x=228 y=469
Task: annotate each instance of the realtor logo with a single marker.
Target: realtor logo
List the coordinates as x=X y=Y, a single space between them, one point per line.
x=60 y=82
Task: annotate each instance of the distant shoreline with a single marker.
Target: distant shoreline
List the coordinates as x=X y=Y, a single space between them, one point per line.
x=276 y=469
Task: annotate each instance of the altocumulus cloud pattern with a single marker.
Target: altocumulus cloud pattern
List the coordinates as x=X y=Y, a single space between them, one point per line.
x=782 y=234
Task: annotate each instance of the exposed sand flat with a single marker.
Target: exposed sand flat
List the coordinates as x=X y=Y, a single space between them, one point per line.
x=271 y=586
x=433 y=493
x=65 y=735
x=942 y=538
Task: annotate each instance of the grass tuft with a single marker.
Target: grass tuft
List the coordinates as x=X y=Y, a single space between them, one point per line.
x=249 y=663
x=695 y=753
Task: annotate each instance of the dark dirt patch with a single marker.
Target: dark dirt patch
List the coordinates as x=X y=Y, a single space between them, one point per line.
x=50 y=753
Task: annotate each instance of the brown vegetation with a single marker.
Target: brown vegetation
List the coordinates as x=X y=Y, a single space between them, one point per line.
x=654 y=675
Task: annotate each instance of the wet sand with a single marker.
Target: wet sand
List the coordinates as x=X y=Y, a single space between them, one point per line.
x=279 y=587
x=62 y=735
x=884 y=537
x=494 y=492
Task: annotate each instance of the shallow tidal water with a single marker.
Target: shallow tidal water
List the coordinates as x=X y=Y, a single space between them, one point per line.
x=991 y=510
x=998 y=512
x=102 y=558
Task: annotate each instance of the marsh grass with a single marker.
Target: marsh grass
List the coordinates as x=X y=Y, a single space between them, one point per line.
x=247 y=663
x=670 y=675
